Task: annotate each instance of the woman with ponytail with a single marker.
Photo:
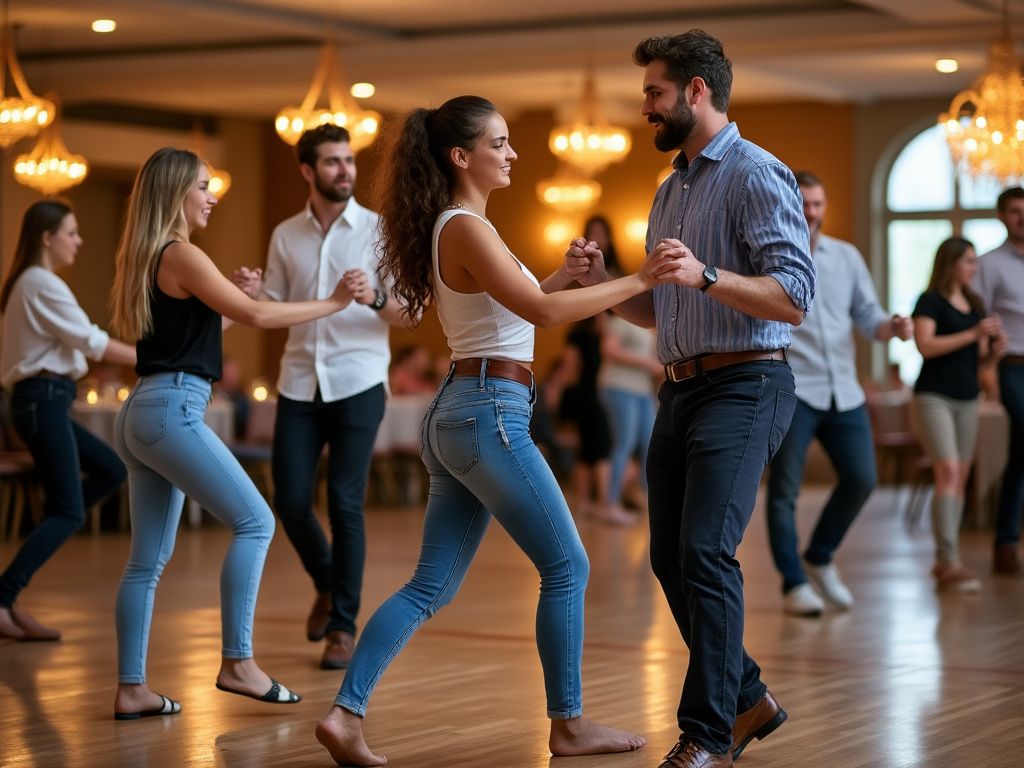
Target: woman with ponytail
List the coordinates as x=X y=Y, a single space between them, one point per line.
x=438 y=246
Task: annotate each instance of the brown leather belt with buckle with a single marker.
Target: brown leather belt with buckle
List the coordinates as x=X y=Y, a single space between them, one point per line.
x=499 y=369
x=1013 y=359
x=681 y=370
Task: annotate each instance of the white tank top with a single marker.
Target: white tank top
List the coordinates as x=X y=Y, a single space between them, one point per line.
x=476 y=325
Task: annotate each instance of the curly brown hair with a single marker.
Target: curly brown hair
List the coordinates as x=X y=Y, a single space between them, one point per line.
x=415 y=185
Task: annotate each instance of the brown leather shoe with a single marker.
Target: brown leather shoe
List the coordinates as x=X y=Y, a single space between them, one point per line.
x=316 y=624
x=1006 y=560
x=688 y=753
x=757 y=722
x=338 y=652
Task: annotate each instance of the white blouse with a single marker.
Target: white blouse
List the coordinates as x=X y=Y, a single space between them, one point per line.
x=44 y=329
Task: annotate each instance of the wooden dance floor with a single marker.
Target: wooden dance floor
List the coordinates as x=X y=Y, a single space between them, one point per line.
x=908 y=678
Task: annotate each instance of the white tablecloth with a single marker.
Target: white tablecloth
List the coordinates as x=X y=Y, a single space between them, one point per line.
x=400 y=428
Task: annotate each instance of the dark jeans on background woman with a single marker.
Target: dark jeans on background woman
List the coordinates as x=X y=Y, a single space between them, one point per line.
x=75 y=468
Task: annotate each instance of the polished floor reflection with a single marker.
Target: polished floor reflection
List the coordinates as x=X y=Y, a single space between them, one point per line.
x=908 y=678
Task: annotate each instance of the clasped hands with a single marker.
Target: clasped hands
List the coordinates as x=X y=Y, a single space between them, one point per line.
x=354 y=285
x=670 y=262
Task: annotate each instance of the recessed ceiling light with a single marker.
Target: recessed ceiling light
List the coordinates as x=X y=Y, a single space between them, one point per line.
x=363 y=90
x=104 y=25
x=947 y=66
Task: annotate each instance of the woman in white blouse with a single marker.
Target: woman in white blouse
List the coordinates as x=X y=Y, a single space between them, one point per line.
x=46 y=340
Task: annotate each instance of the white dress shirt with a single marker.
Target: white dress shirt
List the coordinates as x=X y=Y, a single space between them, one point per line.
x=345 y=353
x=1000 y=283
x=46 y=330
x=822 y=351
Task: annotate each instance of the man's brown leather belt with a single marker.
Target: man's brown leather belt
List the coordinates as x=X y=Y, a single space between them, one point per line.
x=1013 y=359
x=499 y=369
x=681 y=370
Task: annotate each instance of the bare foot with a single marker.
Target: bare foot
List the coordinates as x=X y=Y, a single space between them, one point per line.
x=136 y=698
x=580 y=736
x=341 y=733
x=243 y=675
x=33 y=629
x=7 y=626
x=613 y=514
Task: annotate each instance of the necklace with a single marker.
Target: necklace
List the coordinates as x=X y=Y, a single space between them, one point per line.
x=451 y=206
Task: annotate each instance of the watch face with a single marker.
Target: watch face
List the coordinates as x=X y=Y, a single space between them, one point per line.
x=710 y=273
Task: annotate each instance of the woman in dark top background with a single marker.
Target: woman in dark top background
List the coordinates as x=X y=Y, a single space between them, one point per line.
x=954 y=336
x=169 y=297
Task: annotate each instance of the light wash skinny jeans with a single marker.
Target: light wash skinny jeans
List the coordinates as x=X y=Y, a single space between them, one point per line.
x=482 y=462
x=170 y=452
x=632 y=418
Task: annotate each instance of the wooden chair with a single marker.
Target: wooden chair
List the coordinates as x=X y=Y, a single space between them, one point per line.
x=897 y=449
x=18 y=487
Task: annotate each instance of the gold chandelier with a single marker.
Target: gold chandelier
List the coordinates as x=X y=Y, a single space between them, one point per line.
x=49 y=168
x=568 y=192
x=220 y=181
x=985 y=123
x=590 y=144
x=362 y=124
x=24 y=115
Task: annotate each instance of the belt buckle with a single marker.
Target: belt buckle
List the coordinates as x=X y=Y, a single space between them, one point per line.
x=689 y=368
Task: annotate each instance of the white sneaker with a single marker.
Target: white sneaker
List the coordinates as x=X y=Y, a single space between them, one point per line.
x=828 y=581
x=802 y=600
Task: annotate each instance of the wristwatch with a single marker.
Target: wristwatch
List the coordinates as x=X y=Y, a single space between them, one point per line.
x=710 y=277
x=380 y=298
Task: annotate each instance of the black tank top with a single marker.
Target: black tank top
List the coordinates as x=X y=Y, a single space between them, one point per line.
x=186 y=336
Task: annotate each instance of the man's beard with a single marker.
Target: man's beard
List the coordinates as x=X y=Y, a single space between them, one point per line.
x=332 y=193
x=674 y=128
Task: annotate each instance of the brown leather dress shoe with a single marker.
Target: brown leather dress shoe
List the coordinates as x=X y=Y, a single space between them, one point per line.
x=1006 y=560
x=688 y=753
x=316 y=624
x=757 y=722
x=338 y=652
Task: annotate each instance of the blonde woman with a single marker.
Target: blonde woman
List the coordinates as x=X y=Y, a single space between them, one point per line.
x=169 y=297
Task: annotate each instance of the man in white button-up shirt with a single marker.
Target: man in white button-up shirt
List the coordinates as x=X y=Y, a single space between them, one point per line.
x=830 y=406
x=332 y=384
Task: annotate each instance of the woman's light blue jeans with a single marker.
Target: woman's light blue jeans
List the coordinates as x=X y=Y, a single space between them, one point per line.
x=482 y=463
x=632 y=419
x=170 y=452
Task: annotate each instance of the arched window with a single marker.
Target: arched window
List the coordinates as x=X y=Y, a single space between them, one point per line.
x=926 y=201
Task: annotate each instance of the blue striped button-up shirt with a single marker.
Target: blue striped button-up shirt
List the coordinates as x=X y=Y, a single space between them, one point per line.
x=738 y=208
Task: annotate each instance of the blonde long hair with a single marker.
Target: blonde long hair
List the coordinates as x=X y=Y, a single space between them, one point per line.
x=155 y=216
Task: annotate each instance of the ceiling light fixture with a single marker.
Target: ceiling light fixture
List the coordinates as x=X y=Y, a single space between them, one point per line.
x=220 y=181
x=24 y=115
x=985 y=123
x=362 y=124
x=104 y=25
x=947 y=66
x=568 y=192
x=590 y=143
x=50 y=168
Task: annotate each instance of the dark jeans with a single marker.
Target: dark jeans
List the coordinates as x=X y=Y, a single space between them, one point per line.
x=348 y=427
x=846 y=438
x=1011 y=498
x=75 y=468
x=712 y=439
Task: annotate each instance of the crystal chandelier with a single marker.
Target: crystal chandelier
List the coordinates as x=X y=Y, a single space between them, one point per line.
x=568 y=192
x=985 y=123
x=24 y=115
x=590 y=144
x=49 y=168
x=362 y=124
x=220 y=181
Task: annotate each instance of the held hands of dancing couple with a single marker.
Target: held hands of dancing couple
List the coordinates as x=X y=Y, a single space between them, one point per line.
x=670 y=262
x=354 y=283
